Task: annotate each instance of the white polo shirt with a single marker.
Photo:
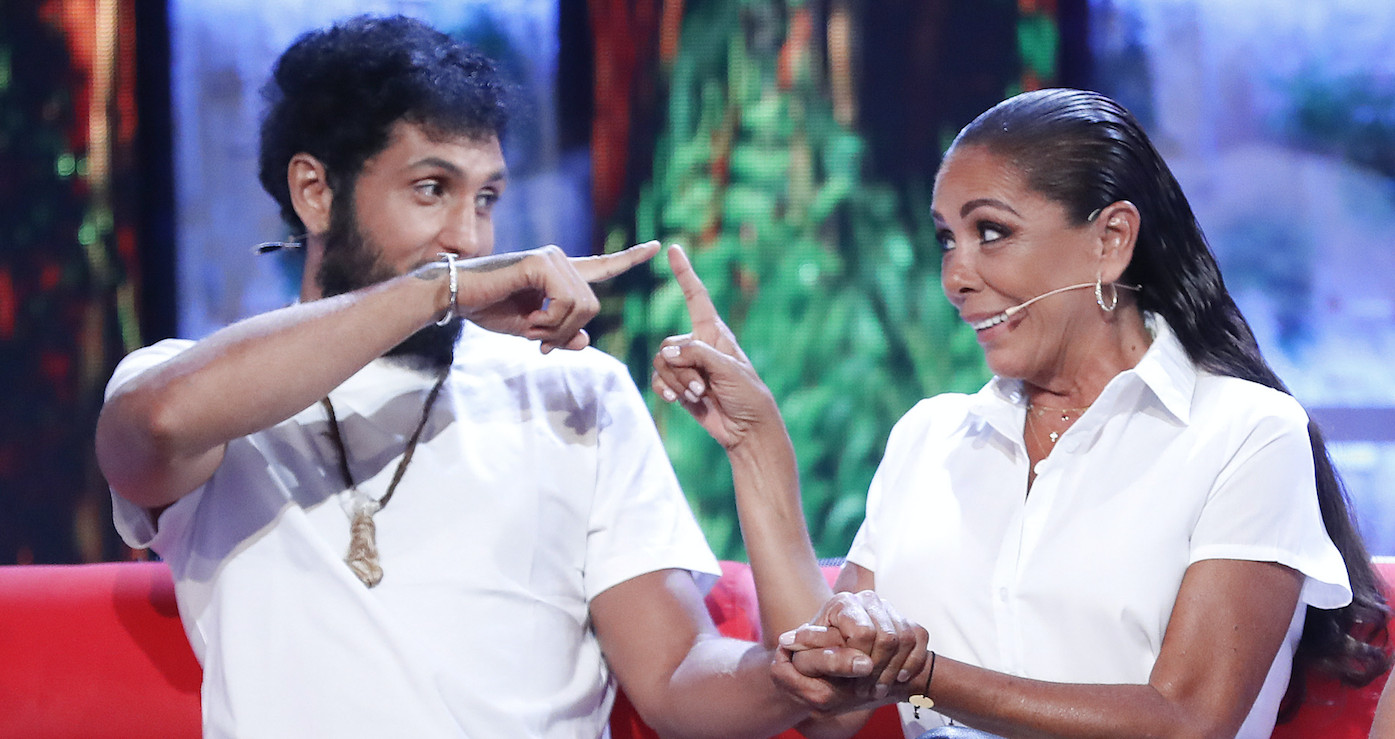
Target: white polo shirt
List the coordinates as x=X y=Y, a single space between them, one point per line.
x=1076 y=581
x=539 y=482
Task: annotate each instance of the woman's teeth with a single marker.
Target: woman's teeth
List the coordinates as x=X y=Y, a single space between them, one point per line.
x=989 y=322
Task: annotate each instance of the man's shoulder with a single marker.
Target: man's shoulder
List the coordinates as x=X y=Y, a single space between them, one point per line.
x=159 y=351
x=143 y=359
x=481 y=350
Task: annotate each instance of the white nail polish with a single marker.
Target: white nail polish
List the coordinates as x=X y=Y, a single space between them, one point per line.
x=669 y=395
x=671 y=351
x=696 y=386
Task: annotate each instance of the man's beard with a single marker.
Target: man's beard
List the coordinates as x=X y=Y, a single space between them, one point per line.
x=352 y=261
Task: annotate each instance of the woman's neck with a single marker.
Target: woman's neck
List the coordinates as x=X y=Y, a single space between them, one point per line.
x=1091 y=361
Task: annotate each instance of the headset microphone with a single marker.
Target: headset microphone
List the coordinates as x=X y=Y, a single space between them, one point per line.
x=1014 y=310
x=1010 y=312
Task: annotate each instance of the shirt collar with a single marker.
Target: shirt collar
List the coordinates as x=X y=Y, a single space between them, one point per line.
x=1165 y=370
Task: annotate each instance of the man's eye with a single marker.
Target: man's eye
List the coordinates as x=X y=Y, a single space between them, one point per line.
x=430 y=188
x=486 y=200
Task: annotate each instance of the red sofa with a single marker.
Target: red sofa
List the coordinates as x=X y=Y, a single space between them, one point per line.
x=98 y=651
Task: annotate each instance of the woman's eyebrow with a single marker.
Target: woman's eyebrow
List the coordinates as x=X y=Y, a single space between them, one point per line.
x=980 y=202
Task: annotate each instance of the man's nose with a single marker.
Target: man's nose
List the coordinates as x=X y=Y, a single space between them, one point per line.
x=463 y=234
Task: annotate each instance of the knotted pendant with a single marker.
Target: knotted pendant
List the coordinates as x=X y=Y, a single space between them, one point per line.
x=363 y=546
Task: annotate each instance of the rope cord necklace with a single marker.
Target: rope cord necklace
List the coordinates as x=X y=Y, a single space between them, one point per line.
x=362 y=556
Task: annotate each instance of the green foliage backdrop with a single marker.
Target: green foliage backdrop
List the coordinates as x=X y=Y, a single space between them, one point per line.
x=830 y=281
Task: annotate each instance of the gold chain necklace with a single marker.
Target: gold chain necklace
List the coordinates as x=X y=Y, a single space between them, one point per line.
x=362 y=556
x=1066 y=413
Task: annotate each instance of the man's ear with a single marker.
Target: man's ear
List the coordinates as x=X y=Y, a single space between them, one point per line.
x=310 y=193
x=1118 y=228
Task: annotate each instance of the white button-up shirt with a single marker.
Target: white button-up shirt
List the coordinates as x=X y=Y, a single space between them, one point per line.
x=1076 y=581
x=539 y=482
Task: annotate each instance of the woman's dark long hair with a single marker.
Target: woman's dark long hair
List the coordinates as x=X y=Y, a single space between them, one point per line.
x=1085 y=151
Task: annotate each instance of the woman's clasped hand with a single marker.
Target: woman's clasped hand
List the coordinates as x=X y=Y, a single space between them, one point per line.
x=858 y=652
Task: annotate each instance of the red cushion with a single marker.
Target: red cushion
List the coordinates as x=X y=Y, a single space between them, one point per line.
x=98 y=650
x=1332 y=710
x=94 y=650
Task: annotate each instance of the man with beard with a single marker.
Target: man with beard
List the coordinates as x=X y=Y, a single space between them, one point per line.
x=459 y=536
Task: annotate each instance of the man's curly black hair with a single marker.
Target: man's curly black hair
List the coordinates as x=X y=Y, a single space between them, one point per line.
x=336 y=93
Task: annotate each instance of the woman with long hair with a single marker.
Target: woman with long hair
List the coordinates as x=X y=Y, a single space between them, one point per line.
x=1132 y=529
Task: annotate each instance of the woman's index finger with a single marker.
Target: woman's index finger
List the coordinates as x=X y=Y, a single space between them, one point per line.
x=700 y=308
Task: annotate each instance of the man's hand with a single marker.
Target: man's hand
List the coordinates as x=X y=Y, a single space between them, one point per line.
x=707 y=370
x=542 y=293
x=857 y=652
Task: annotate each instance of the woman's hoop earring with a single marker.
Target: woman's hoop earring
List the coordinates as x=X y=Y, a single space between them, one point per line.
x=1099 y=295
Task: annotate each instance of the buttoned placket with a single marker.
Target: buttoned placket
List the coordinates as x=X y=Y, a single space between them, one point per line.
x=1024 y=533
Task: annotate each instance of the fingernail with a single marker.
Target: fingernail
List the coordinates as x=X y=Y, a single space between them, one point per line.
x=691 y=396
x=862 y=664
x=903 y=676
x=696 y=386
x=880 y=691
x=787 y=638
x=669 y=395
x=671 y=351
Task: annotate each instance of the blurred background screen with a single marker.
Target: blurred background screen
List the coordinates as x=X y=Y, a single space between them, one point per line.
x=789 y=144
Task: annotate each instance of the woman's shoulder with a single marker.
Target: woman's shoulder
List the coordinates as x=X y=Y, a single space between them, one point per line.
x=1241 y=400
x=943 y=410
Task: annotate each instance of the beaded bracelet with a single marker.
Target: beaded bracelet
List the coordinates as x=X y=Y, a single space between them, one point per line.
x=454 y=287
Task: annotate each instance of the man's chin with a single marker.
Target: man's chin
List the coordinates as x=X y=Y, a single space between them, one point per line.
x=433 y=345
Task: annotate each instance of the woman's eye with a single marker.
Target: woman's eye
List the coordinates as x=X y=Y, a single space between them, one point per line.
x=988 y=233
x=945 y=239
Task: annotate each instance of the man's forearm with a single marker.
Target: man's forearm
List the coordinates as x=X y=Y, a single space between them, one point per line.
x=157 y=433
x=723 y=689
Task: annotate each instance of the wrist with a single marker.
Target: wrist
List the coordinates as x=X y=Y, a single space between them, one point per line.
x=452 y=289
x=920 y=694
x=763 y=445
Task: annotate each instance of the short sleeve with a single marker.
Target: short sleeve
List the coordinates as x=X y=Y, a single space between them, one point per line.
x=640 y=522
x=133 y=522
x=1264 y=507
x=899 y=443
x=863 y=551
